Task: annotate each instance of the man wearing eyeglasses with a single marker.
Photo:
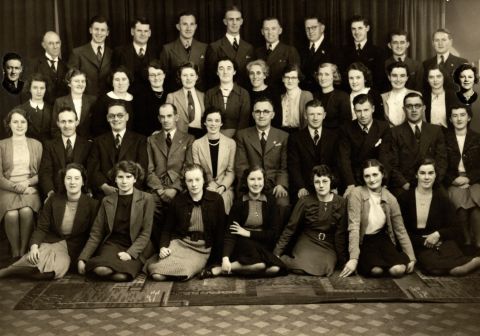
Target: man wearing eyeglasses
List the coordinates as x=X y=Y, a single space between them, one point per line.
x=413 y=141
x=112 y=147
x=265 y=146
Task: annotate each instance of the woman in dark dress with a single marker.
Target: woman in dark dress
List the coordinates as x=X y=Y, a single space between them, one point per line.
x=463 y=173
x=253 y=227
x=62 y=229
x=120 y=237
x=319 y=221
x=193 y=232
x=431 y=223
x=466 y=76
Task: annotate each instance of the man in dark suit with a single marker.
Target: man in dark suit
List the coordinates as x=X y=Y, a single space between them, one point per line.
x=399 y=43
x=136 y=56
x=413 y=141
x=442 y=43
x=52 y=67
x=317 y=51
x=361 y=49
x=360 y=140
x=182 y=50
x=231 y=46
x=62 y=150
x=168 y=152
x=94 y=58
x=277 y=54
x=12 y=86
x=112 y=147
x=311 y=146
x=264 y=146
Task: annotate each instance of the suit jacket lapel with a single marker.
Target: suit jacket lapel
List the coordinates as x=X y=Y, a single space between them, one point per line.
x=307 y=140
x=58 y=209
x=177 y=142
x=276 y=53
x=181 y=101
x=195 y=52
x=205 y=152
x=228 y=49
x=60 y=150
x=82 y=204
x=110 y=209
x=254 y=140
x=91 y=56
x=179 y=50
x=124 y=146
x=271 y=140
x=134 y=211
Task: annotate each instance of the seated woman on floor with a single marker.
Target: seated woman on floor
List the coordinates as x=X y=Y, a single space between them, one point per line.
x=120 y=236
x=62 y=229
x=193 y=231
x=319 y=221
x=430 y=220
x=375 y=225
x=253 y=228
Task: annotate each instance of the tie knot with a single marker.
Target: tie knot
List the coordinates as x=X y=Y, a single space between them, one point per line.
x=141 y=52
x=263 y=135
x=169 y=136
x=365 y=129
x=69 y=142
x=359 y=46
x=99 y=49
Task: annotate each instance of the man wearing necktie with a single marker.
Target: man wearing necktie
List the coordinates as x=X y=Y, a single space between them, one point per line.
x=276 y=53
x=112 y=147
x=442 y=43
x=66 y=148
x=136 y=55
x=169 y=150
x=316 y=52
x=309 y=147
x=361 y=139
x=94 y=58
x=232 y=46
x=413 y=141
x=52 y=66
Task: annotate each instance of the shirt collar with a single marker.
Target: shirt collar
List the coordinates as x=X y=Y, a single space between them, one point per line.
x=72 y=139
x=368 y=126
x=445 y=57
x=266 y=132
x=122 y=134
x=318 y=42
x=34 y=105
x=261 y=198
x=230 y=38
x=362 y=44
x=137 y=48
x=312 y=131
x=412 y=126
x=50 y=58
x=172 y=133
x=96 y=45
x=274 y=45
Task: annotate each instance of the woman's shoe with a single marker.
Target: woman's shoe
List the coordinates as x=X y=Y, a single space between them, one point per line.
x=206 y=273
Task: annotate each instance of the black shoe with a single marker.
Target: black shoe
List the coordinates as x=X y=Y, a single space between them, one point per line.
x=206 y=273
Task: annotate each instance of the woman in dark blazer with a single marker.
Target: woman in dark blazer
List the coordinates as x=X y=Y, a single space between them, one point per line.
x=80 y=102
x=463 y=173
x=192 y=234
x=432 y=226
x=120 y=237
x=62 y=229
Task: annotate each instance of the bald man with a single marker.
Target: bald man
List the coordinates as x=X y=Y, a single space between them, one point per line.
x=52 y=66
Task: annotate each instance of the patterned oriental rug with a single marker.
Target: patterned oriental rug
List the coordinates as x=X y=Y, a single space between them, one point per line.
x=77 y=292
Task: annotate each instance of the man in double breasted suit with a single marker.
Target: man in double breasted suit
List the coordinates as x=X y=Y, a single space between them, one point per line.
x=94 y=58
x=413 y=141
x=231 y=46
x=168 y=152
x=52 y=67
x=64 y=149
x=112 y=147
x=276 y=53
x=360 y=140
x=308 y=147
x=264 y=146
x=182 y=50
x=442 y=43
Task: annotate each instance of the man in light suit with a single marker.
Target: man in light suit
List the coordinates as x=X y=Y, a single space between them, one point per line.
x=64 y=149
x=308 y=147
x=399 y=43
x=442 y=43
x=112 y=147
x=136 y=56
x=277 y=54
x=265 y=146
x=316 y=52
x=52 y=66
x=360 y=140
x=168 y=152
x=182 y=50
x=94 y=58
x=231 y=46
x=413 y=141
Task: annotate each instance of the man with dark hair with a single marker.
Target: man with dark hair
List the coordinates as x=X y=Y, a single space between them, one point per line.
x=361 y=49
x=12 y=70
x=360 y=140
x=276 y=53
x=308 y=147
x=168 y=152
x=94 y=58
x=316 y=52
x=231 y=46
x=64 y=149
x=442 y=43
x=399 y=43
x=413 y=141
x=52 y=67
x=184 y=49
x=136 y=56
x=112 y=147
